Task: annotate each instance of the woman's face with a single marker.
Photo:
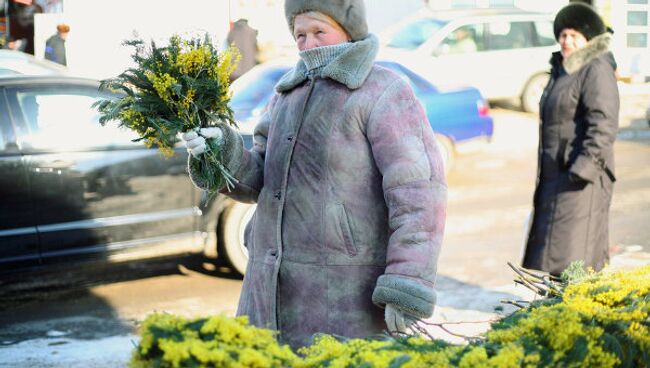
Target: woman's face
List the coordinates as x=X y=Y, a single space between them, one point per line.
x=310 y=32
x=570 y=41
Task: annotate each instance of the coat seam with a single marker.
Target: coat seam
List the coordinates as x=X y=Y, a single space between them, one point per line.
x=431 y=183
x=381 y=97
x=280 y=211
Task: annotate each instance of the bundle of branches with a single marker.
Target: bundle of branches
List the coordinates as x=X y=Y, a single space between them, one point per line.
x=175 y=88
x=584 y=319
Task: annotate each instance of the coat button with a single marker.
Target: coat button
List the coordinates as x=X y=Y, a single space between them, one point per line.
x=290 y=138
x=278 y=195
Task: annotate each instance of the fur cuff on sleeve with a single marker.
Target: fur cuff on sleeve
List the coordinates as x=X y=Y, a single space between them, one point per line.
x=232 y=146
x=407 y=294
x=586 y=168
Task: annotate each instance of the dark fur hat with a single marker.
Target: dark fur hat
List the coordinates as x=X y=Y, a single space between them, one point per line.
x=581 y=17
x=350 y=14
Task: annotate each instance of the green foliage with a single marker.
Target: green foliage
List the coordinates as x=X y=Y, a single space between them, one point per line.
x=574 y=273
x=601 y=320
x=176 y=88
x=172 y=341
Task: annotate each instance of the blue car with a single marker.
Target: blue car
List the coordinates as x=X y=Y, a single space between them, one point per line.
x=457 y=116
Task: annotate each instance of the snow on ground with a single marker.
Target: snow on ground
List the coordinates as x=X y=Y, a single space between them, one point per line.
x=110 y=352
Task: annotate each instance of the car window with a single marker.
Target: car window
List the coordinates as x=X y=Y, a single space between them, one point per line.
x=5 y=130
x=463 y=40
x=509 y=35
x=63 y=120
x=545 y=35
x=414 y=34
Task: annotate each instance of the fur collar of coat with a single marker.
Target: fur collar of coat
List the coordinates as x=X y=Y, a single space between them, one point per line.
x=351 y=68
x=595 y=48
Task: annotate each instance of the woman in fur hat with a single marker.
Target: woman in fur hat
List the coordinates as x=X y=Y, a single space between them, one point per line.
x=579 y=120
x=349 y=186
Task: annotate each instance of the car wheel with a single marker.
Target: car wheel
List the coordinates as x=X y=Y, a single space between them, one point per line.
x=447 y=151
x=533 y=93
x=232 y=224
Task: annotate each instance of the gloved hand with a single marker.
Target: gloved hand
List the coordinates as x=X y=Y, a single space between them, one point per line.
x=195 y=141
x=397 y=320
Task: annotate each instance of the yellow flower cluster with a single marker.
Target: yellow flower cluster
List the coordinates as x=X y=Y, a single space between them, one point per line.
x=613 y=289
x=194 y=61
x=609 y=297
x=187 y=100
x=225 y=66
x=162 y=84
x=166 y=151
x=559 y=328
x=330 y=352
x=217 y=342
x=135 y=119
x=509 y=356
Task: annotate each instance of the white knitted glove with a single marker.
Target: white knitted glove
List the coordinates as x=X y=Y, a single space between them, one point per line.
x=195 y=141
x=397 y=320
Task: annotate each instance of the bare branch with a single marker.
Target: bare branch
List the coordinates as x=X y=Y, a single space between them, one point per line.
x=422 y=330
x=546 y=280
x=515 y=303
x=457 y=323
x=535 y=288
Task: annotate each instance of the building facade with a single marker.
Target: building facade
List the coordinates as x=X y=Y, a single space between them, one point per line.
x=630 y=20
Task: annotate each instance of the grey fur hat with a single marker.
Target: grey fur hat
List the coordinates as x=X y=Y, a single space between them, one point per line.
x=581 y=17
x=350 y=14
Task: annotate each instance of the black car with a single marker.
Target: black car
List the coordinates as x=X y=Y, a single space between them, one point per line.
x=73 y=190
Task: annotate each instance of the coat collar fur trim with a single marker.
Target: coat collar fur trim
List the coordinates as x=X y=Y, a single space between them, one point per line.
x=596 y=47
x=351 y=68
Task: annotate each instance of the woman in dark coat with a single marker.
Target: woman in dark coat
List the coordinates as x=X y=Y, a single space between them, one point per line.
x=579 y=121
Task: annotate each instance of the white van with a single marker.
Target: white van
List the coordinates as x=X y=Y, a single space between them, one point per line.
x=502 y=52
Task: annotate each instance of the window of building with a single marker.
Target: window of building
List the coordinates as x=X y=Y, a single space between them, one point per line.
x=464 y=4
x=637 y=40
x=637 y=18
x=502 y=3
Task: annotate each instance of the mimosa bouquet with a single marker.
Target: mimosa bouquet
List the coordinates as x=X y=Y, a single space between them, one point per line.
x=175 y=88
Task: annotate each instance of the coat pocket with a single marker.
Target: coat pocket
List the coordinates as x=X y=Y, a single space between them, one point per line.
x=338 y=233
x=563 y=155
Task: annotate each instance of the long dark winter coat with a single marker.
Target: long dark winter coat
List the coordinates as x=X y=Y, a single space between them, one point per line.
x=351 y=202
x=579 y=117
